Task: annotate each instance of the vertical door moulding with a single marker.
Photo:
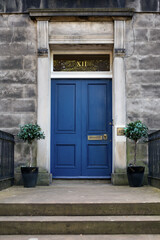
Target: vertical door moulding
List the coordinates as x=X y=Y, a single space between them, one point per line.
x=43 y=112
x=119 y=98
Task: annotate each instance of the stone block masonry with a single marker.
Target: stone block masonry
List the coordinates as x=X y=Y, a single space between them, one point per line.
x=18 y=66
x=143 y=75
x=143 y=69
x=18 y=76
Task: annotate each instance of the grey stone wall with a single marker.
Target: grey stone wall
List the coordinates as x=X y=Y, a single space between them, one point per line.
x=143 y=69
x=18 y=76
x=142 y=64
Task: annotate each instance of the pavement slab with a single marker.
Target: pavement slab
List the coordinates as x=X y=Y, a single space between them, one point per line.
x=82 y=237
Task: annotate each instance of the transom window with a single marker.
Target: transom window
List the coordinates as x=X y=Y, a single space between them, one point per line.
x=81 y=62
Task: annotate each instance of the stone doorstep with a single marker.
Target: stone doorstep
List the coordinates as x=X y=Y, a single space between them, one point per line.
x=80 y=225
x=79 y=209
x=45 y=179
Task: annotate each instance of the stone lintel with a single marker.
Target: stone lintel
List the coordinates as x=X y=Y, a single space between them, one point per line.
x=113 y=13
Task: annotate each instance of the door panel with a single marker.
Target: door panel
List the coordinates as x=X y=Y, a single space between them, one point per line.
x=65 y=156
x=96 y=98
x=66 y=128
x=66 y=107
x=96 y=153
x=81 y=134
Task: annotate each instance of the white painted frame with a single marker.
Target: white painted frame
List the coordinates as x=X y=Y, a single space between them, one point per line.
x=118 y=93
x=87 y=74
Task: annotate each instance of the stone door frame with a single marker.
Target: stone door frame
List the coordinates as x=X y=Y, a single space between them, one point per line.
x=118 y=85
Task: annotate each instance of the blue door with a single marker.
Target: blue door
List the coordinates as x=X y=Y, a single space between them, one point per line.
x=81 y=131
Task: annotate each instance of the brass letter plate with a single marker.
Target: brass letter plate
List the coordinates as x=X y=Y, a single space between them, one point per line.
x=120 y=131
x=95 y=137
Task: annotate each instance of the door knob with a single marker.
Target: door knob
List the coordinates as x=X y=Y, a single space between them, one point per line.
x=105 y=137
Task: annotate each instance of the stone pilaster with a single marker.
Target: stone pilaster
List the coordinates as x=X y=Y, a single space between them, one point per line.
x=43 y=112
x=119 y=101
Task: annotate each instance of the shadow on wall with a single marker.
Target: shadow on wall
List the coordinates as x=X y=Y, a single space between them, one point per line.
x=22 y=6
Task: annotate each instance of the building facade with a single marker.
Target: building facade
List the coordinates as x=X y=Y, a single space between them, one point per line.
x=82 y=70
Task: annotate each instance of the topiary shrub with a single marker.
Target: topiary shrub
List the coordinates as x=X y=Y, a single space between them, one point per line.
x=136 y=131
x=28 y=133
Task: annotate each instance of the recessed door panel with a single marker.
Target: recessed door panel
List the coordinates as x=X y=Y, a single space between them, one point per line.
x=65 y=155
x=97 y=156
x=96 y=113
x=66 y=107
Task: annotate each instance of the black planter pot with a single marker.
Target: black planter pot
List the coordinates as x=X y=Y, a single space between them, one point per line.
x=29 y=175
x=135 y=175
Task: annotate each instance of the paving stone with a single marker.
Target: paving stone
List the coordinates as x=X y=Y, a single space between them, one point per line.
x=80 y=225
x=80 y=191
x=82 y=237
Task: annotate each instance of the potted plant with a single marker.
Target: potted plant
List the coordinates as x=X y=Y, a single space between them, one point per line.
x=29 y=133
x=135 y=131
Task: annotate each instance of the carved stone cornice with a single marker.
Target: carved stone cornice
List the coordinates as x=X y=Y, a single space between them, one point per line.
x=42 y=52
x=119 y=52
x=110 y=13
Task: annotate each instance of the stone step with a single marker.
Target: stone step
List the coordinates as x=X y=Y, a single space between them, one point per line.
x=81 y=237
x=80 y=225
x=79 y=209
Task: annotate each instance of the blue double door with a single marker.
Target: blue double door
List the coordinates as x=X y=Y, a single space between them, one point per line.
x=81 y=131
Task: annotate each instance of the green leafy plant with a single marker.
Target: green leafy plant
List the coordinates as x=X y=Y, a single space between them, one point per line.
x=28 y=133
x=136 y=131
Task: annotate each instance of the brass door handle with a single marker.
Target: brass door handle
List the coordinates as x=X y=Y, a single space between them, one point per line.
x=105 y=136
